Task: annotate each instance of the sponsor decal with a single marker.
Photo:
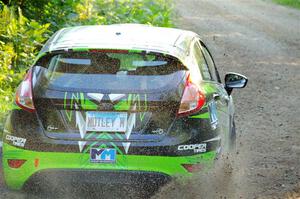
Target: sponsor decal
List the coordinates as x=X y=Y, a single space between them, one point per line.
x=51 y=128
x=17 y=141
x=158 y=131
x=103 y=155
x=197 y=148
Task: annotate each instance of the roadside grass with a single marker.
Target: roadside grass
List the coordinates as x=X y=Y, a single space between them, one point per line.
x=290 y=3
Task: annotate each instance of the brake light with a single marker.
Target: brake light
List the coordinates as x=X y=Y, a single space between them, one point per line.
x=192 y=168
x=24 y=93
x=15 y=163
x=192 y=100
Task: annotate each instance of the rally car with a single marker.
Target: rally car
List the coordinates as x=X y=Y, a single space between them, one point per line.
x=119 y=104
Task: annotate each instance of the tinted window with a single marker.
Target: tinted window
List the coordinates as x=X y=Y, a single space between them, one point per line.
x=119 y=71
x=111 y=63
x=201 y=62
x=210 y=63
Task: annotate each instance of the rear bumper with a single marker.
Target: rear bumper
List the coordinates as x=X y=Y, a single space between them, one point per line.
x=128 y=168
x=73 y=177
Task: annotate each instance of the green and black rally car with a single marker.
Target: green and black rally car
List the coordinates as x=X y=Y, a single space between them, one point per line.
x=121 y=104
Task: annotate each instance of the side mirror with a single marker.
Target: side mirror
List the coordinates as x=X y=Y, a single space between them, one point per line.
x=234 y=80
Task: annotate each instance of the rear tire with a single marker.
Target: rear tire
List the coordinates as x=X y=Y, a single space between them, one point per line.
x=229 y=150
x=232 y=139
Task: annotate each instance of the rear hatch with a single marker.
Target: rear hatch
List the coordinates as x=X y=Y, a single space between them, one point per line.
x=107 y=94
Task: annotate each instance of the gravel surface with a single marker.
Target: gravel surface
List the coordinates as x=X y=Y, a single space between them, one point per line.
x=262 y=41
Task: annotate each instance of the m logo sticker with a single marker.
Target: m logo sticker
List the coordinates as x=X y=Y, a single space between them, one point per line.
x=103 y=155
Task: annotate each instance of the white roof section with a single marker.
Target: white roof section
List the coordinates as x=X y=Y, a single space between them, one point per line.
x=122 y=36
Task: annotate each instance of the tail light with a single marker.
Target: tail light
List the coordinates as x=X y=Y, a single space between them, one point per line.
x=192 y=168
x=15 y=163
x=192 y=100
x=24 y=93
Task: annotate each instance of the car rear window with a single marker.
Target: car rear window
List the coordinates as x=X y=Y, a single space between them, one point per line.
x=108 y=69
x=112 y=63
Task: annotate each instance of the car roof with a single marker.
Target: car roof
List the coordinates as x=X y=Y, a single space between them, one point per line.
x=122 y=36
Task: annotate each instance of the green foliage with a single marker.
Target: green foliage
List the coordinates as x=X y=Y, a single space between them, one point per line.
x=291 y=3
x=157 y=13
x=20 y=40
x=7 y=77
x=24 y=35
x=62 y=13
x=59 y=13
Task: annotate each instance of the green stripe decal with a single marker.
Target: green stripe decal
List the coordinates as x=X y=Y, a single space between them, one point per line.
x=123 y=105
x=201 y=116
x=90 y=135
x=135 y=51
x=119 y=136
x=15 y=178
x=117 y=148
x=80 y=49
x=209 y=88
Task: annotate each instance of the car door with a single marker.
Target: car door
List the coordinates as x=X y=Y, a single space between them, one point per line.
x=217 y=97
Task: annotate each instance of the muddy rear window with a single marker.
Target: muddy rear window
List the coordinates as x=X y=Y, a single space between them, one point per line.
x=111 y=63
x=108 y=69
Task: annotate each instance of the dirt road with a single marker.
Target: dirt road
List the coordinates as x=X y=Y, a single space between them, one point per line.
x=262 y=41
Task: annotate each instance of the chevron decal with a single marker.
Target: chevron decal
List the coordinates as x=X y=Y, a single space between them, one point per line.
x=131 y=120
x=80 y=123
x=96 y=96
x=115 y=97
x=126 y=146
x=130 y=125
x=81 y=145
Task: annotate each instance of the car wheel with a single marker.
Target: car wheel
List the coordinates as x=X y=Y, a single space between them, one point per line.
x=232 y=139
x=229 y=150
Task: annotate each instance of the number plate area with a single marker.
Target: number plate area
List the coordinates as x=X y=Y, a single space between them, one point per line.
x=106 y=121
